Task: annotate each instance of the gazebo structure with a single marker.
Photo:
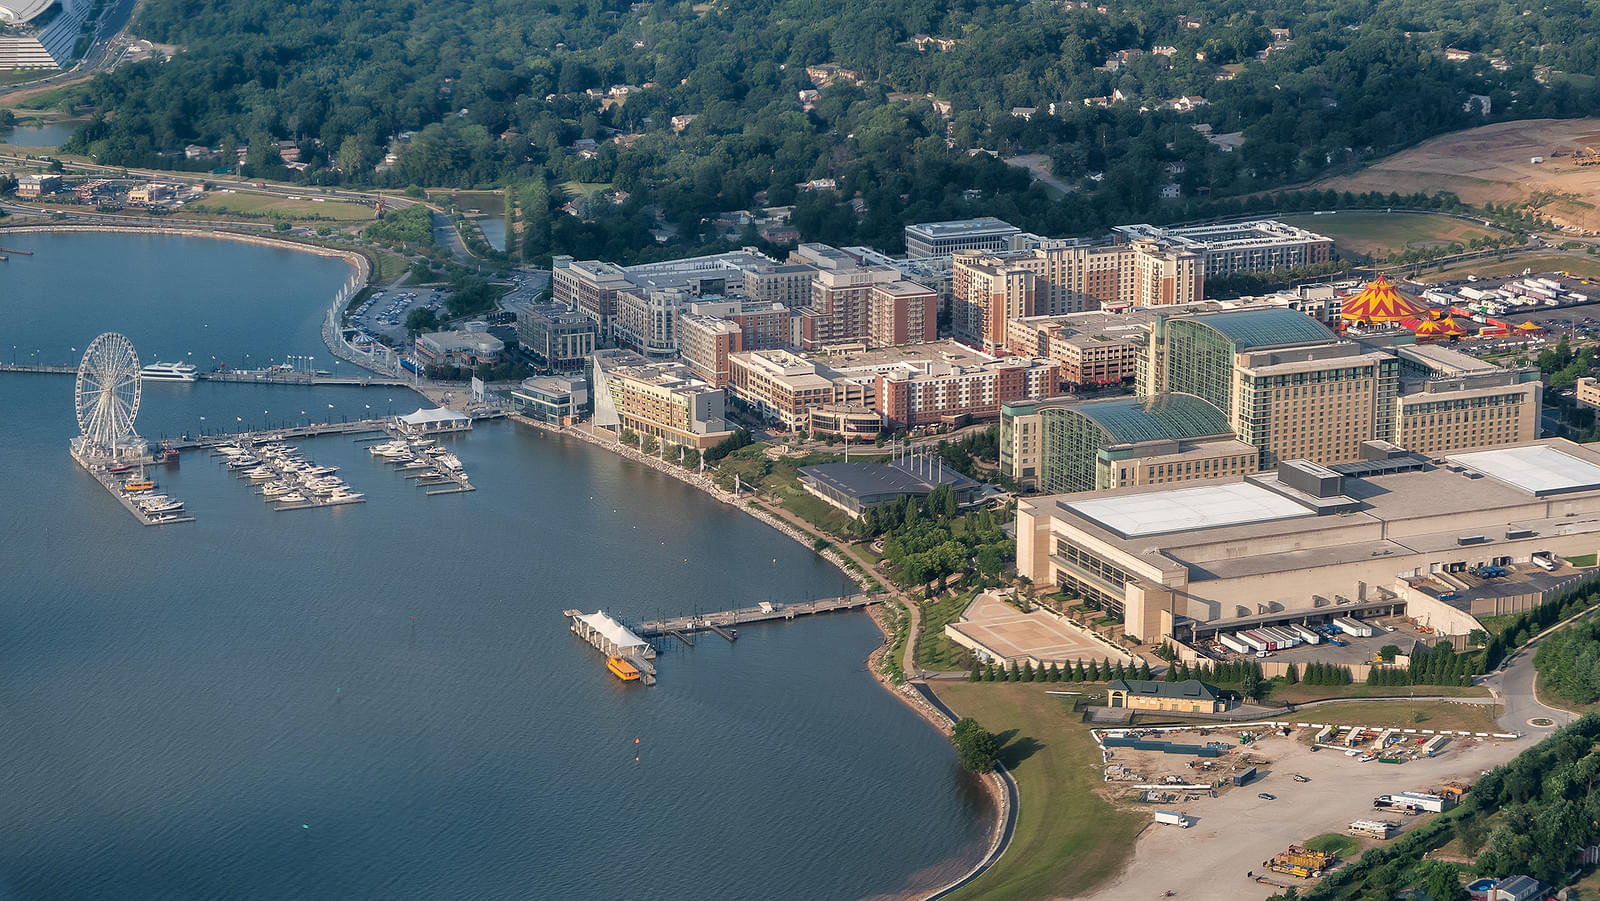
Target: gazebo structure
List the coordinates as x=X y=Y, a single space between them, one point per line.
x=1380 y=302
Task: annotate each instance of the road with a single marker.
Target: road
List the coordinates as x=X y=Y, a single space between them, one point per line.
x=101 y=56
x=1513 y=686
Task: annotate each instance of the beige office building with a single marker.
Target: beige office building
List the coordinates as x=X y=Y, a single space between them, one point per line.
x=1305 y=543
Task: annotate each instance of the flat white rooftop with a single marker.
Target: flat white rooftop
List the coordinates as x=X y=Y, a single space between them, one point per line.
x=1182 y=509
x=1536 y=469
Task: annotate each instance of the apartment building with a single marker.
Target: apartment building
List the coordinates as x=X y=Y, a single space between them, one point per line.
x=707 y=343
x=1057 y=277
x=1258 y=246
x=590 y=287
x=779 y=385
x=764 y=325
x=902 y=312
x=664 y=401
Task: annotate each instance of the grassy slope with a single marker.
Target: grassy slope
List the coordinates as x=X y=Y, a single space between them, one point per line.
x=934 y=651
x=1580 y=266
x=1068 y=839
x=1380 y=234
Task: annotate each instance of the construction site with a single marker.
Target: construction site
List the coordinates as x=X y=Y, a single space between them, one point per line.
x=1549 y=164
x=1275 y=805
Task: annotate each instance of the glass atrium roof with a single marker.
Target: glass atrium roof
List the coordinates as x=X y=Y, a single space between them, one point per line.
x=1129 y=420
x=1267 y=328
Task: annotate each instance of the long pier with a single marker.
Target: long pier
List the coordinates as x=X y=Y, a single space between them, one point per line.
x=718 y=622
x=251 y=376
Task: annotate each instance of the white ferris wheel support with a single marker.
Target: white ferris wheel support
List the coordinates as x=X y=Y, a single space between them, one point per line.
x=107 y=392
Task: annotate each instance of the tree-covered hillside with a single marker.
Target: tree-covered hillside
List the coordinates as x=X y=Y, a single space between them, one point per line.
x=499 y=93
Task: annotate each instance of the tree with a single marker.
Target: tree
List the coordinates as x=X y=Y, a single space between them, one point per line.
x=421 y=319
x=976 y=749
x=1388 y=652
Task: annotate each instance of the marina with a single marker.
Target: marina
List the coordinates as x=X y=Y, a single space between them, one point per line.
x=288 y=481
x=356 y=674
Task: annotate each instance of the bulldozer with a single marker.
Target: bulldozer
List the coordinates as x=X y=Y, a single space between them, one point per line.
x=1588 y=156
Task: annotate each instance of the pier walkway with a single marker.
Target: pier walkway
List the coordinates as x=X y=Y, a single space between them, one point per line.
x=296 y=432
x=764 y=612
x=252 y=376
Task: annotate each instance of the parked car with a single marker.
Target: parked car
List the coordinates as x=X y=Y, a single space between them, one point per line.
x=1266 y=797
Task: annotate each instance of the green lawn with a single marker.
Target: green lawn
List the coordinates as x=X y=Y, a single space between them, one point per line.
x=1068 y=839
x=276 y=207
x=934 y=651
x=1582 y=560
x=1379 y=234
x=1341 y=846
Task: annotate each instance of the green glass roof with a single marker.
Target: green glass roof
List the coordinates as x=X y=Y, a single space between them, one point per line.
x=1266 y=328
x=1128 y=420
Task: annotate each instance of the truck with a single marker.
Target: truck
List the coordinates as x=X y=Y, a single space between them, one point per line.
x=1250 y=639
x=1374 y=828
x=1414 y=801
x=1353 y=626
x=1174 y=818
x=1306 y=635
x=1545 y=561
x=1233 y=644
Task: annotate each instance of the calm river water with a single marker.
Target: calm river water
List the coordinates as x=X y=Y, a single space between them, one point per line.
x=383 y=700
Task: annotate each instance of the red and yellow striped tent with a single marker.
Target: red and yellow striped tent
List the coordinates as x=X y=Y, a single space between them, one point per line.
x=1379 y=301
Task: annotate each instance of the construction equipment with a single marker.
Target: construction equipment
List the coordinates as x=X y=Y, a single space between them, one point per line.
x=1588 y=156
x=1302 y=862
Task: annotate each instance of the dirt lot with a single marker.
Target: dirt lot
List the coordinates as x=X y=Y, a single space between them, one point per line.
x=1237 y=830
x=1492 y=164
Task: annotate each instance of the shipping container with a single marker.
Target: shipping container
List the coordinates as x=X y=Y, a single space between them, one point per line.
x=1244 y=777
x=1550 y=283
x=1249 y=638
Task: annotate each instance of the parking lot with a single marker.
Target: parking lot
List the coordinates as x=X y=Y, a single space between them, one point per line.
x=384 y=313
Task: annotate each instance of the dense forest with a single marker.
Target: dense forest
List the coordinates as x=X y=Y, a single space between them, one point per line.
x=1569 y=662
x=502 y=93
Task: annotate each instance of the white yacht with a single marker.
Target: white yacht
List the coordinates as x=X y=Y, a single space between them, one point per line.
x=169 y=372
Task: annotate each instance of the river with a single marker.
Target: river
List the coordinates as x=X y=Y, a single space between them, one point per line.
x=382 y=700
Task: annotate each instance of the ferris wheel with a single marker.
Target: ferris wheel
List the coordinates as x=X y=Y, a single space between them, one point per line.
x=107 y=392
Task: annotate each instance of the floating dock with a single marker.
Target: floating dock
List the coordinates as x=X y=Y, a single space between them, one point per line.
x=615 y=640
